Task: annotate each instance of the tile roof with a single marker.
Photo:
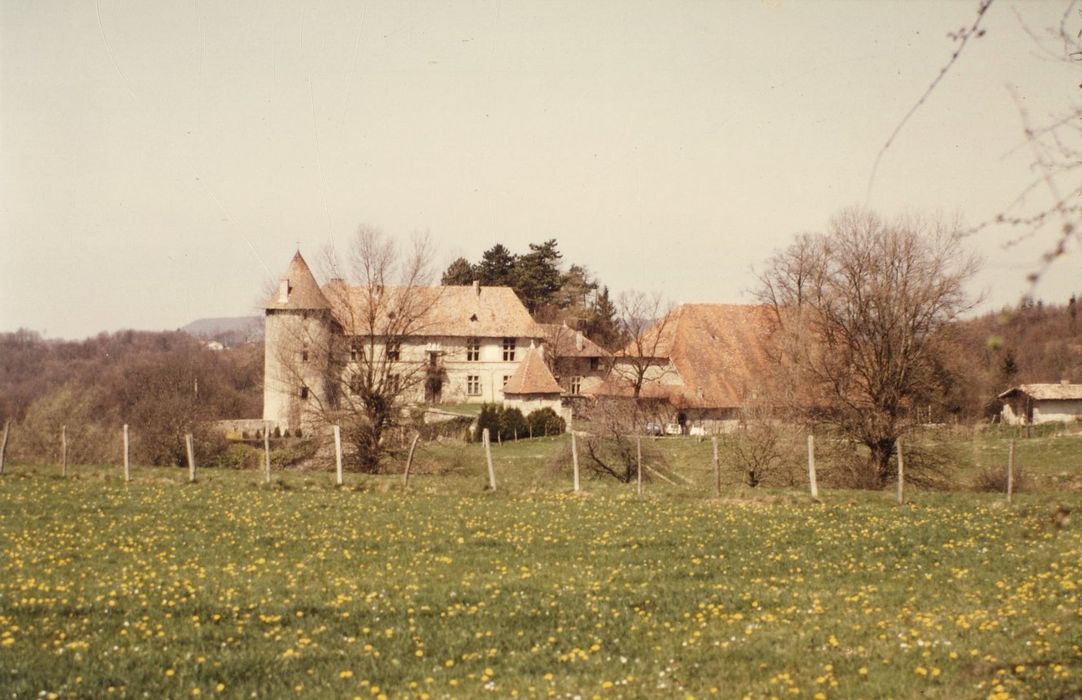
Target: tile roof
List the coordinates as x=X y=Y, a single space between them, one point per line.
x=718 y=350
x=532 y=376
x=1047 y=392
x=461 y=311
x=297 y=288
x=571 y=343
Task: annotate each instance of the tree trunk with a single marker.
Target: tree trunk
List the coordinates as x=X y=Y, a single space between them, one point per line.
x=879 y=467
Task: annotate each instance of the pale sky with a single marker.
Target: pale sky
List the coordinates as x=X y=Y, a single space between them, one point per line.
x=159 y=161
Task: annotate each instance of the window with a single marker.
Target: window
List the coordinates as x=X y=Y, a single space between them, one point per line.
x=595 y=363
x=355 y=351
x=506 y=378
x=576 y=385
x=304 y=356
x=473 y=350
x=508 y=349
x=304 y=392
x=473 y=385
x=393 y=354
x=355 y=383
x=394 y=382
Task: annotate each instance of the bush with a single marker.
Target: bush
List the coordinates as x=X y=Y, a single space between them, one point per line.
x=544 y=421
x=512 y=424
x=994 y=480
x=488 y=418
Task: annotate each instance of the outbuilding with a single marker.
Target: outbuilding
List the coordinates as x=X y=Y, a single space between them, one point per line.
x=1042 y=403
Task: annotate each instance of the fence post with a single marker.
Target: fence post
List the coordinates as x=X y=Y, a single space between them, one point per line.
x=1010 y=471
x=127 y=461
x=638 y=457
x=4 y=445
x=575 y=460
x=811 y=467
x=901 y=472
x=409 y=460
x=717 y=468
x=188 y=443
x=338 y=480
x=63 y=450
x=488 y=457
x=266 y=452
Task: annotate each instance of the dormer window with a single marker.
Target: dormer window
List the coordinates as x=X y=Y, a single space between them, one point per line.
x=473 y=317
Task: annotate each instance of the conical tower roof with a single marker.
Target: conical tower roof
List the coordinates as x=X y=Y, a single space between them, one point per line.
x=298 y=288
x=532 y=376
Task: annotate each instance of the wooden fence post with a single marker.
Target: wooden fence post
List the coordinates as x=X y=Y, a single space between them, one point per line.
x=575 y=460
x=488 y=457
x=409 y=460
x=338 y=480
x=63 y=450
x=127 y=461
x=811 y=467
x=638 y=456
x=901 y=473
x=4 y=445
x=1010 y=471
x=717 y=468
x=188 y=443
x=266 y=452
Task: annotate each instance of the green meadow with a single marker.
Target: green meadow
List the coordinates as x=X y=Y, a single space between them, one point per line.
x=229 y=587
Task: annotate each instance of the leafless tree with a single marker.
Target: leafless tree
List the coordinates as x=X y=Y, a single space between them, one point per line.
x=611 y=448
x=645 y=319
x=858 y=313
x=365 y=355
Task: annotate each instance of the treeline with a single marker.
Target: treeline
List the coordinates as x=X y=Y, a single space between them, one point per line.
x=162 y=384
x=551 y=294
x=1031 y=343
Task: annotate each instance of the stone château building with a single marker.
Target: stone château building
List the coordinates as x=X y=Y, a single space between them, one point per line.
x=448 y=344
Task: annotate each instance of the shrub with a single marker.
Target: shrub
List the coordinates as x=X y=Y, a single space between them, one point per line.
x=277 y=432
x=994 y=480
x=488 y=418
x=544 y=421
x=512 y=424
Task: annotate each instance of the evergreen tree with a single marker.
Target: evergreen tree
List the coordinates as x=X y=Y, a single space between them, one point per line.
x=459 y=272
x=603 y=326
x=497 y=267
x=537 y=275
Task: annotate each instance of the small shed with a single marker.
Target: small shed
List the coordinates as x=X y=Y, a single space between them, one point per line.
x=1042 y=403
x=532 y=386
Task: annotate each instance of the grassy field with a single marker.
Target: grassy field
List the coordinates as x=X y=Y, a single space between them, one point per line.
x=230 y=588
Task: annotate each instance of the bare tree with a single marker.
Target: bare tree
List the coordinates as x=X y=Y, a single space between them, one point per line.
x=645 y=319
x=859 y=312
x=362 y=358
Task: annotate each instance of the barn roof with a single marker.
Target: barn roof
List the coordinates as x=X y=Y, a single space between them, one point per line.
x=718 y=351
x=1046 y=392
x=297 y=288
x=532 y=376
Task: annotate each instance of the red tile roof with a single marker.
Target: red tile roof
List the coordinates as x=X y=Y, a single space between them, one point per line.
x=532 y=376
x=298 y=288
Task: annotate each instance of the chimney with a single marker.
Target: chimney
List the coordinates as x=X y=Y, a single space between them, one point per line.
x=578 y=340
x=1065 y=382
x=477 y=287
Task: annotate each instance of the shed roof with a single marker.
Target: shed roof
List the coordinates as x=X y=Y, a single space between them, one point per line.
x=1046 y=392
x=532 y=376
x=571 y=343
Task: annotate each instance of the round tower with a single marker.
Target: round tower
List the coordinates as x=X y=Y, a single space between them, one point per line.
x=297 y=350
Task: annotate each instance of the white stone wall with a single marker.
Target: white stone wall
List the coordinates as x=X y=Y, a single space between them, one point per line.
x=288 y=335
x=1057 y=411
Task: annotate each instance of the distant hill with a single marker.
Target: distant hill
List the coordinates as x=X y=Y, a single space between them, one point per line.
x=229 y=331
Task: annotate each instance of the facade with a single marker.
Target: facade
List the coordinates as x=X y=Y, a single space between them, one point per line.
x=703 y=366
x=450 y=344
x=578 y=364
x=1042 y=403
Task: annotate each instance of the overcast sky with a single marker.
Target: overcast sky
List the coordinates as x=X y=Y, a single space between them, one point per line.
x=159 y=161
